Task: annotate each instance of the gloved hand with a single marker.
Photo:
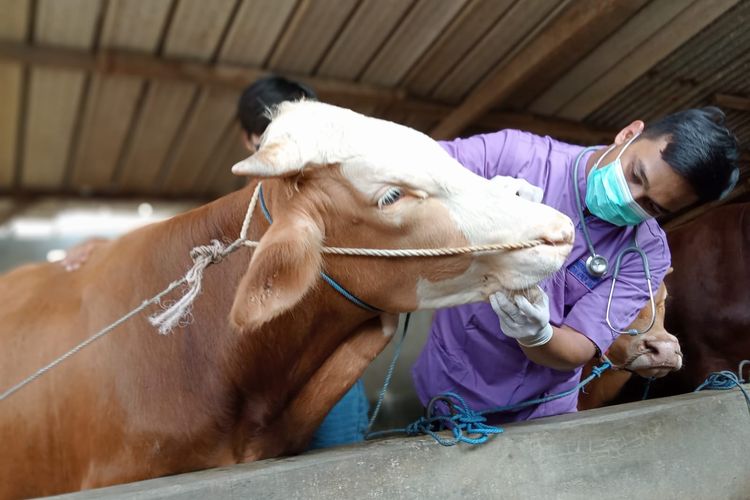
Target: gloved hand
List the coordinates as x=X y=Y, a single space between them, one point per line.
x=519 y=187
x=525 y=321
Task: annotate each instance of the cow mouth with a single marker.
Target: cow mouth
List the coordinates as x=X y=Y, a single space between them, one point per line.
x=555 y=242
x=643 y=366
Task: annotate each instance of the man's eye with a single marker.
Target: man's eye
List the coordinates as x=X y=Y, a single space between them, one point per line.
x=634 y=178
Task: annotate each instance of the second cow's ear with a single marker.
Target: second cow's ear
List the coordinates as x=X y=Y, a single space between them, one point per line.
x=284 y=267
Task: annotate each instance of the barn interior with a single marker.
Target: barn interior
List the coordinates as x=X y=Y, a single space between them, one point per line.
x=118 y=113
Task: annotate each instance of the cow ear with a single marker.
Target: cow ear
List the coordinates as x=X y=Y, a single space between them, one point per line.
x=305 y=134
x=277 y=159
x=284 y=267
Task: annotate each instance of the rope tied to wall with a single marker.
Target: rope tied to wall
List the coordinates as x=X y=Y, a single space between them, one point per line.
x=725 y=380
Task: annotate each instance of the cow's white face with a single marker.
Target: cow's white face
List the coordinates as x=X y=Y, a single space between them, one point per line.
x=411 y=193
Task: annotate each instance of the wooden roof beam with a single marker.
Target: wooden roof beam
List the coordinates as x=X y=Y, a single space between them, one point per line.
x=111 y=62
x=237 y=77
x=734 y=102
x=561 y=35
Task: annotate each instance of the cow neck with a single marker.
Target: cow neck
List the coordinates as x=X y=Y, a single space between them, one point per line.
x=268 y=364
x=326 y=277
x=309 y=332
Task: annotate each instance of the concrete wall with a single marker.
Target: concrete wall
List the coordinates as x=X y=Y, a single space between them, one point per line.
x=693 y=446
x=401 y=405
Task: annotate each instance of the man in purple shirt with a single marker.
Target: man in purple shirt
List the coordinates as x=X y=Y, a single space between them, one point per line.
x=512 y=350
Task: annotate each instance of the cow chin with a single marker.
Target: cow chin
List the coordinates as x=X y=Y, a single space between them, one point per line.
x=523 y=269
x=515 y=272
x=647 y=367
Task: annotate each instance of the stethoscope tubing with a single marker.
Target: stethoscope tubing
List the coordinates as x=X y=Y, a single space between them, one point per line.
x=634 y=248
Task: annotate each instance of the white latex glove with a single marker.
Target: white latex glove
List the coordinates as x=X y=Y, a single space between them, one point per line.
x=525 y=321
x=519 y=187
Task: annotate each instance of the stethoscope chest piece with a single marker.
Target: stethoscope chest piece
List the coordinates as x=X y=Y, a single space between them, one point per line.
x=597 y=265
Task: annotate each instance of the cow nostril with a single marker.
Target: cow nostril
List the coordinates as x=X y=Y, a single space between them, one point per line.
x=564 y=235
x=651 y=347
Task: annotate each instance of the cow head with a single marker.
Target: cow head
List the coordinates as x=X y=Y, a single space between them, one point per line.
x=337 y=178
x=653 y=354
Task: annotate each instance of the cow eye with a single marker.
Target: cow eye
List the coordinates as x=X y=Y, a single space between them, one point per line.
x=391 y=196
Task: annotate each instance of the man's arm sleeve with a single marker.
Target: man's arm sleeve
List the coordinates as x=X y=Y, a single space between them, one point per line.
x=630 y=295
x=487 y=155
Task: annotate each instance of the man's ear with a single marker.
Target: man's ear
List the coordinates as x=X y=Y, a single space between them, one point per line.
x=249 y=141
x=284 y=267
x=628 y=132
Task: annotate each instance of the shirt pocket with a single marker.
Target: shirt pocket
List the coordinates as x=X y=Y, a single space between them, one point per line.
x=578 y=282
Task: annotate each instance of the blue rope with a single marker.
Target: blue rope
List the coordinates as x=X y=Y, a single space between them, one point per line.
x=332 y=282
x=724 y=380
x=388 y=375
x=646 y=390
x=348 y=295
x=596 y=372
x=467 y=425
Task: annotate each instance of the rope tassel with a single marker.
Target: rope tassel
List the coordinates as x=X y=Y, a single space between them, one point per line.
x=174 y=315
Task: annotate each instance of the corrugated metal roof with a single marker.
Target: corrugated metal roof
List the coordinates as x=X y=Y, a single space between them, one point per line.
x=81 y=129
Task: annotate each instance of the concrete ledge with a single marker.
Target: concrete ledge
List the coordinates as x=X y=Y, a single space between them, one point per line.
x=693 y=446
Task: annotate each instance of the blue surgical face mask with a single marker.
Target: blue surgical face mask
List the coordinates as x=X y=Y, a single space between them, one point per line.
x=608 y=195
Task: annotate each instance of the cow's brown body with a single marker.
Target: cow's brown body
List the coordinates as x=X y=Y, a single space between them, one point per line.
x=655 y=353
x=200 y=397
x=269 y=348
x=709 y=304
x=708 y=308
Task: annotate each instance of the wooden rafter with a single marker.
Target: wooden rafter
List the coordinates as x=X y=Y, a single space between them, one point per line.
x=335 y=91
x=562 y=34
x=737 y=103
x=111 y=62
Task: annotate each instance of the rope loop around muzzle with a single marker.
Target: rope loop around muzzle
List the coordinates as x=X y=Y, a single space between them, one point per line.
x=433 y=252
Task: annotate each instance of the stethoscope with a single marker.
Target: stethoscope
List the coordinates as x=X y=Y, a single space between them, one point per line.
x=597 y=265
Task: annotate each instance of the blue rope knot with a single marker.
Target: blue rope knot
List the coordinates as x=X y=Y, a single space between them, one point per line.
x=723 y=381
x=720 y=380
x=467 y=425
x=597 y=371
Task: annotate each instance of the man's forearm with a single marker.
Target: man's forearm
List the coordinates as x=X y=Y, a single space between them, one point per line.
x=566 y=350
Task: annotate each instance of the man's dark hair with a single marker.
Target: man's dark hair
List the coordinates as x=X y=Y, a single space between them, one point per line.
x=263 y=94
x=700 y=149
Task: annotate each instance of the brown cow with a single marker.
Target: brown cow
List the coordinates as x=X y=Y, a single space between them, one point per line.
x=269 y=348
x=708 y=300
x=709 y=303
x=653 y=354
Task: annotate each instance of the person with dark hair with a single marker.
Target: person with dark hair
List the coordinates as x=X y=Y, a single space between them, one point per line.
x=520 y=347
x=258 y=98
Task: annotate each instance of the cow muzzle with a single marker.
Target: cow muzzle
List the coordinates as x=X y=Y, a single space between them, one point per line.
x=656 y=356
